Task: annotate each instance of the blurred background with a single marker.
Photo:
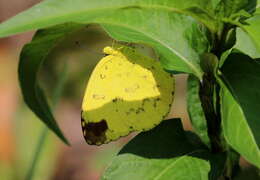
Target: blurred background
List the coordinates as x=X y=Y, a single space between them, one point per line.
x=24 y=139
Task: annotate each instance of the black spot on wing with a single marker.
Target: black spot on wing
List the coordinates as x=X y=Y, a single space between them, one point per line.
x=94 y=133
x=155 y=102
x=114 y=100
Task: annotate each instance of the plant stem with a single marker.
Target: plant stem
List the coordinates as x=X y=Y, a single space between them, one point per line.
x=207 y=88
x=44 y=132
x=211 y=106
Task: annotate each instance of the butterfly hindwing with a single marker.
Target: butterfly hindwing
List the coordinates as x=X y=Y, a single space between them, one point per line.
x=126 y=92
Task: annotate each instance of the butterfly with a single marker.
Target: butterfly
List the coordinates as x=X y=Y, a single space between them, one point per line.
x=126 y=92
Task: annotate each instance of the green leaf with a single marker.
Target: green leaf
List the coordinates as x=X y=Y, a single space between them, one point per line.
x=165 y=152
x=240 y=105
x=236 y=130
x=31 y=59
x=242 y=75
x=195 y=110
x=53 y=12
x=232 y=7
x=179 y=39
x=189 y=40
x=248 y=39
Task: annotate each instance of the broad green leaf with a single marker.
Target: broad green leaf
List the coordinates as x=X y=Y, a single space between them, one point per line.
x=165 y=152
x=236 y=130
x=242 y=75
x=179 y=39
x=52 y=12
x=31 y=59
x=183 y=54
x=240 y=105
x=195 y=110
x=132 y=167
x=248 y=40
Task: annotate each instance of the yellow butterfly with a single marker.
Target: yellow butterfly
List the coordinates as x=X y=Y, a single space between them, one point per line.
x=126 y=92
